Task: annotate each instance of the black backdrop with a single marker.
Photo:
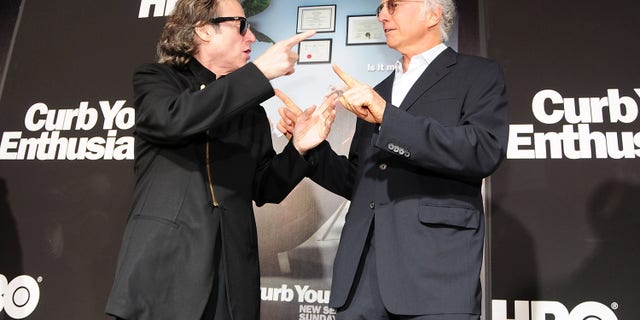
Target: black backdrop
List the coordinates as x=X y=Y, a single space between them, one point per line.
x=561 y=230
x=66 y=53
x=565 y=230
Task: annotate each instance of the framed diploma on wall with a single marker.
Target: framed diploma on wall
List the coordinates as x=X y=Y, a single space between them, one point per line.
x=364 y=29
x=318 y=18
x=315 y=51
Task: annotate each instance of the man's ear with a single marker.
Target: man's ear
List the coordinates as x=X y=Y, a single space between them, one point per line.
x=203 y=32
x=433 y=17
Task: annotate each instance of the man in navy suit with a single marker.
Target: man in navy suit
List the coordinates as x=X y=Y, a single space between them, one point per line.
x=426 y=137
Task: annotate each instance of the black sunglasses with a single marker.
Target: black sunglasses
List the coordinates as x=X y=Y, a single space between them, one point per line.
x=391 y=5
x=244 y=24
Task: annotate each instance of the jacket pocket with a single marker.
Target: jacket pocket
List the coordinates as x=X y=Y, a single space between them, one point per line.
x=449 y=216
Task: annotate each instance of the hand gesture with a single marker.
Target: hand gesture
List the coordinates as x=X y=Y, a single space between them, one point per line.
x=279 y=59
x=361 y=99
x=288 y=114
x=309 y=127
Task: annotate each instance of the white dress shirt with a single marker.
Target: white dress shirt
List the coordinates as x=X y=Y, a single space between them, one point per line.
x=403 y=81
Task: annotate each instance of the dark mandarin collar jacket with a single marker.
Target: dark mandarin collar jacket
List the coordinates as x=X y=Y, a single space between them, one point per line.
x=197 y=136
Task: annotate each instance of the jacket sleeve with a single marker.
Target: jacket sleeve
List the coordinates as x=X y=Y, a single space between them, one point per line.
x=276 y=174
x=169 y=110
x=332 y=171
x=470 y=150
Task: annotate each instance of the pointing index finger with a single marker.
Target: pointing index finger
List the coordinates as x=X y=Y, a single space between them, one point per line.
x=291 y=42
x=350 y=81
x=288 y=102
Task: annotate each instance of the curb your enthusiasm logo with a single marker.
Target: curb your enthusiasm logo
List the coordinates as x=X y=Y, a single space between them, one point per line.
x=51 y=134
x=578 y=139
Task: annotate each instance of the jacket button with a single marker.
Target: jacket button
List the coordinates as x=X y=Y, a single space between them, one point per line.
x=383 y=166
x=372 y=205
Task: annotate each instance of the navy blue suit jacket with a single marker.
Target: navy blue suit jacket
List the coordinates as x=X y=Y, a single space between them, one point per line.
x=417 y=178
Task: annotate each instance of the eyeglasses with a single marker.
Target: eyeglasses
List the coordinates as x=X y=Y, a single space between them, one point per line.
x=391 y=6
x=244 y=24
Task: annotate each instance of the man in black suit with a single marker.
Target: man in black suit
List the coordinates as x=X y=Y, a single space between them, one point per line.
x=203 y=153
x=411 y=246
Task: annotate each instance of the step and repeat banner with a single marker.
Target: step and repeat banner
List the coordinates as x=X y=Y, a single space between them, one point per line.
x=565 y=210
x=66 y=146
x=564 y=205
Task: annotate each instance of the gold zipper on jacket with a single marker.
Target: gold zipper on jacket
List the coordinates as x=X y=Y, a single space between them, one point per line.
x=213 y=197
x=208 y=159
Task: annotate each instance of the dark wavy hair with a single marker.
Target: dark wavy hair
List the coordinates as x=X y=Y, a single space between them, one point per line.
x=177 y=44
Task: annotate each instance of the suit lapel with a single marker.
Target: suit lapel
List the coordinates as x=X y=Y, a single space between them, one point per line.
x=384 y=88
x=434 y=72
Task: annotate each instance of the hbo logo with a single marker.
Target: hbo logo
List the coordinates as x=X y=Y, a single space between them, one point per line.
x=19 y=297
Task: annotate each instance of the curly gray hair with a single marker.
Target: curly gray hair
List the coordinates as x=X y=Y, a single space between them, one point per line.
x=448 y=14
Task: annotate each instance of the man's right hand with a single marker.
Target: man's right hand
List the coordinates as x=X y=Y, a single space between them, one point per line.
x=279 y=59
x=288 y=114
x=309 y=127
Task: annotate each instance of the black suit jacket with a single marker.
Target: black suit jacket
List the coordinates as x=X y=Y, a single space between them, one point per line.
x=417 y=178
x=165 y=268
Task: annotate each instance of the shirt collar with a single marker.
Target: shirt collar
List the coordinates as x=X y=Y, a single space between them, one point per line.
x=202 y=74
x=422 y=59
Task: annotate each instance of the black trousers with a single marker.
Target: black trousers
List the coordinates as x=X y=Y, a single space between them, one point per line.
x=217 y=307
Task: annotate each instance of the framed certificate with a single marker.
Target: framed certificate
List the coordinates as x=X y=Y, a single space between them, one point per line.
x=318 y=18
x=364 y=29
x=314 y=51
